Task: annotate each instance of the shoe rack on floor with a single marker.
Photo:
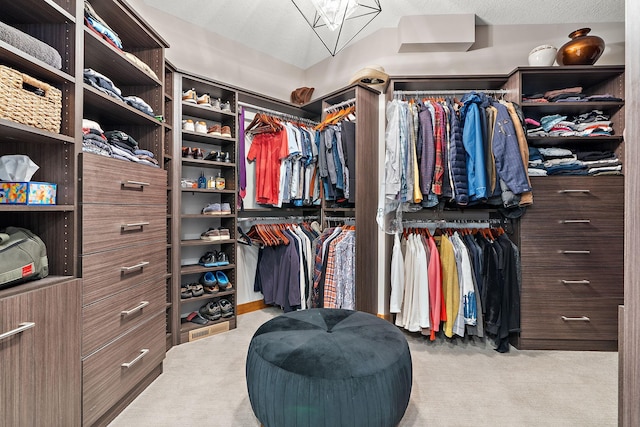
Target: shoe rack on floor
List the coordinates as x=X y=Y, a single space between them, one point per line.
x=187 y=247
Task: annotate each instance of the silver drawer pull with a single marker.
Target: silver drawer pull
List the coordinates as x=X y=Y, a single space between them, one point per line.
x=575 y=221
x=21 y=328
x=576 y=282
x=576 y=252
x=134 y=224
x=135 y=267
x=137 y=359
x=135 y=183
x=138 y=307
x=576 y=319
x=574 y=191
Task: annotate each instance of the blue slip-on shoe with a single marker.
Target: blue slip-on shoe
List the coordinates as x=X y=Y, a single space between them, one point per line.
x=223 y=281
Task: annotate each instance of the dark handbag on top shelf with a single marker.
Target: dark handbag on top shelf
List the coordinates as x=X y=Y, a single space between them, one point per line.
x=23 y=257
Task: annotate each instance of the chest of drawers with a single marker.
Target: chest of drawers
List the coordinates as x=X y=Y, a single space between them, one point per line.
x=123 y=263
x=572 y=263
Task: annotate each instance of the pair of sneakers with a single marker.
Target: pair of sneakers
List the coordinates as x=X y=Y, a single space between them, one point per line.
x=219 y=156
x=214 y=310
x=199 y=126
x=213 y=234
x=217 y=209
x=195 y=152
x=215 y=259
x=219 y=130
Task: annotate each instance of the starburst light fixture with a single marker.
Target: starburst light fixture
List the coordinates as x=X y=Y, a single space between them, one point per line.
x=337 y=22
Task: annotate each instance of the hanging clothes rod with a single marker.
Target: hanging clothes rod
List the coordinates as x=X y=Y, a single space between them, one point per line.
x=280 y=114
x=452 y=223
x=339 y=105
x=279 y=218
x=400 y=93
x=343 y=219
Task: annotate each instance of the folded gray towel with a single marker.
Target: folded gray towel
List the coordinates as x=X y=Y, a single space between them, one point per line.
x=30 y=45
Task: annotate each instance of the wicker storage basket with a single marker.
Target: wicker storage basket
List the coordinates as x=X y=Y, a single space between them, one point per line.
x=26 y=107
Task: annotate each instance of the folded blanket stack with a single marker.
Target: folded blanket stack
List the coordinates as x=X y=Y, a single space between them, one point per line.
x=30 y=45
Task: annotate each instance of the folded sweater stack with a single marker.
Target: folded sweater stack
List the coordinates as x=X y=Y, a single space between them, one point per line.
x=563 y=161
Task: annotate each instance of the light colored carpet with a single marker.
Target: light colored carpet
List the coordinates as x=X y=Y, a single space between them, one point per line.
x=454 y=384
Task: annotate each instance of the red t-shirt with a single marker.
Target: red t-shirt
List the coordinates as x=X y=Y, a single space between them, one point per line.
x=268 y=150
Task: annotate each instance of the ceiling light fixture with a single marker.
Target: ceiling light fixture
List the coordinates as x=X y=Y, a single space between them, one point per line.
x=337 y=22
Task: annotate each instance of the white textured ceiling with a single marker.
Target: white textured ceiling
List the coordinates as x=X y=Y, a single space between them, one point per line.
x=276 y=27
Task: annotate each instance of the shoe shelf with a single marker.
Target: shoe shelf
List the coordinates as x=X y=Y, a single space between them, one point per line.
x=204 y=112
x=208 y=217
x=197 y=268
x=188 y=219
x=206 y=296
x=208 y=190
x=205 y=163
x=207 y=138
x=187 y=327
x=201 y=242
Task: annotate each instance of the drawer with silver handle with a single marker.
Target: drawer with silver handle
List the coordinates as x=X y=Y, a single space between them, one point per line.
x=107 y=180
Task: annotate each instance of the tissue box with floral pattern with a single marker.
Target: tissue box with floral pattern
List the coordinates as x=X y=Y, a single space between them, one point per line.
x=27 y=193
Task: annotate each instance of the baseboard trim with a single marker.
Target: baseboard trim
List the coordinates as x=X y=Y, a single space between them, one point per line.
x=387 y=317
x=248 y=307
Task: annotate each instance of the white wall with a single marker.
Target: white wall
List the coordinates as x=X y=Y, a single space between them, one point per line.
x=202 y=52
x=497 y=50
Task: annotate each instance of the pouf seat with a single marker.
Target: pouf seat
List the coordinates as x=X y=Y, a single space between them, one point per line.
x=328 y=367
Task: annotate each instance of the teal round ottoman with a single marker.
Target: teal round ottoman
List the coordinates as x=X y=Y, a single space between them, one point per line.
x=328 y=367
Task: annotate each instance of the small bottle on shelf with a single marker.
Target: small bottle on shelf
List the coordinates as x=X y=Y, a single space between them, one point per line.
x=211 y=183
x=220 y=182
x=202 y=181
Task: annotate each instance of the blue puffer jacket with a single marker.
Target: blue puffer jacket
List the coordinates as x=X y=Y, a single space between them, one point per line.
x=472 y=138
x=458 y=161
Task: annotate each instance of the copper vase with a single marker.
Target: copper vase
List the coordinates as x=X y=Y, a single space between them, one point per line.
x=582 y=49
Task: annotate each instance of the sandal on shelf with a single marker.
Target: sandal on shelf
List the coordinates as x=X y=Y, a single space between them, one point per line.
x=211 y=289
x=223 y=281
x=195 y=317
x=211 y=311
x=185 y=292
x=196 y=289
